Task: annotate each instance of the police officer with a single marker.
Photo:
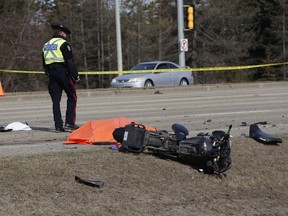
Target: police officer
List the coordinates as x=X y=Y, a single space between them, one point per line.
x=59 y=65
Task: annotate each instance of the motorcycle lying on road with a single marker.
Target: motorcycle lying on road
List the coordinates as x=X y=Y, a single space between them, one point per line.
x=209 y=153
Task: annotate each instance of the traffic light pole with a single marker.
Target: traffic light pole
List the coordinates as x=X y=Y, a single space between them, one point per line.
x=180 y=32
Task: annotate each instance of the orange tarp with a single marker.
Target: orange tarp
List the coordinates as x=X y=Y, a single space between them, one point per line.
x=98 y=131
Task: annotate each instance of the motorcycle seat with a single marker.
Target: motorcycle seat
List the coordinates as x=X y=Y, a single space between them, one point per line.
x=180 y=131
x=260 y=136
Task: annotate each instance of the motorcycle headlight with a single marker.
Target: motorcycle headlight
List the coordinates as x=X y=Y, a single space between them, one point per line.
x=113 y=80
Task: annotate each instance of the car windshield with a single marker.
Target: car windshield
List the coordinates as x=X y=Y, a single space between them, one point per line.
x=144 y=66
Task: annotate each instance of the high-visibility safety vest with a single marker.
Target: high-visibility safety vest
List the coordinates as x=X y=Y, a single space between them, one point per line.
x=52 y=52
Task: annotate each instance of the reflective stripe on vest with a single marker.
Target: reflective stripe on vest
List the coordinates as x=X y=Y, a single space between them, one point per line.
x=52 y=52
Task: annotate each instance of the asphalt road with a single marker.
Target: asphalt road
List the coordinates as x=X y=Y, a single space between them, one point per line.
x=201 y=108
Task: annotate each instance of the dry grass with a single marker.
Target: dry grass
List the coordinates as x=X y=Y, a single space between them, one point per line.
x=257 y=184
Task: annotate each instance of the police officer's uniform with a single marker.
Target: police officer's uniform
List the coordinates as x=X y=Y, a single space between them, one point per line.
x=59 y=65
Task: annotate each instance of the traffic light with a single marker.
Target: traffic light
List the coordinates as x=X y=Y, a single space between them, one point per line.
x=190 y=17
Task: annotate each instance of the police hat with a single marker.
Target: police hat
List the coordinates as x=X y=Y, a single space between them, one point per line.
x=61 y=27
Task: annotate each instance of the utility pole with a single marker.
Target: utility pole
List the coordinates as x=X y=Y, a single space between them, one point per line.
x=118 y=36
x=284 y=41
x=180 y=32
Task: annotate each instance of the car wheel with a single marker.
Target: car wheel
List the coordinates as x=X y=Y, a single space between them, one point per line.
x=148 y=83
x=183 y=82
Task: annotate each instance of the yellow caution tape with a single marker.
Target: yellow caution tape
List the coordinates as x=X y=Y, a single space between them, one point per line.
x=226 y=68
x=23 y=72
x=238 y=67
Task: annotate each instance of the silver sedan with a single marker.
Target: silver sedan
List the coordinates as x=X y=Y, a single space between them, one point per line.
x=149 y=79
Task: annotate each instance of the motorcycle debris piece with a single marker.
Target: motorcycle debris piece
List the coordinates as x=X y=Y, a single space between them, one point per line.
x=260 y=136
x=91 y=183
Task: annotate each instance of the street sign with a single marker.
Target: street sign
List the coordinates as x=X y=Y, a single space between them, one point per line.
x=184 y=45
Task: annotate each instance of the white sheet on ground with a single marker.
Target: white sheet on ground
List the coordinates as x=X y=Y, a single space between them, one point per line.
x=18 y=126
